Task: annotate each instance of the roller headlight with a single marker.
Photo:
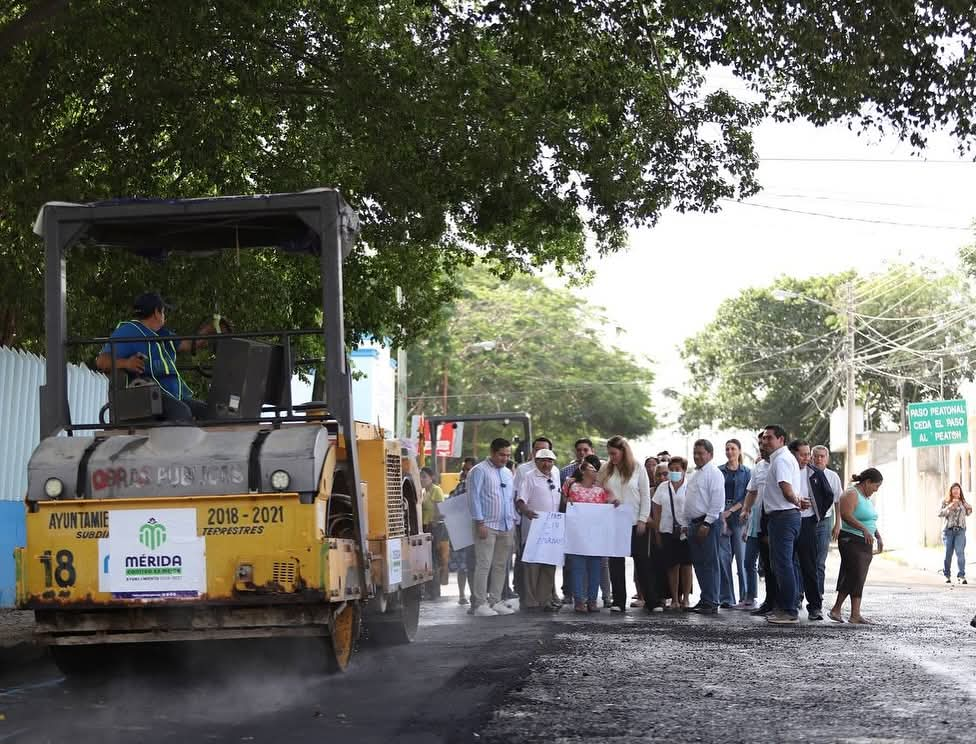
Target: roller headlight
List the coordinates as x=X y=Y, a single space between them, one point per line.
x=280 y=480
x=53 y=487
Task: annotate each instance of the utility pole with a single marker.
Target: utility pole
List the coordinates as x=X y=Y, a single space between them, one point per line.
x=944 y=449
x=851 y=415
x=400 y=406
x=401 y=393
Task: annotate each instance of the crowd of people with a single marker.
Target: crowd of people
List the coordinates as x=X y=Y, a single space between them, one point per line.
x=723 y=525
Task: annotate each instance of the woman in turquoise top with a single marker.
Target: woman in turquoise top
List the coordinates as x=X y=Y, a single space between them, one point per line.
x=858 y=532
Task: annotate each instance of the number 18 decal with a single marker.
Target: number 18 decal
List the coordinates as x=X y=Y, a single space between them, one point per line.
x=61 y=570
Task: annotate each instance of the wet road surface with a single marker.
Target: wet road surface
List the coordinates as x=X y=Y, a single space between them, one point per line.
x=563 y=678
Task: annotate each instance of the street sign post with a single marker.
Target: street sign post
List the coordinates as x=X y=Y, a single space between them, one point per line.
x=938 y=422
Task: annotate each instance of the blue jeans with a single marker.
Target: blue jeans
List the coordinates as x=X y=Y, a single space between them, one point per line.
x=824 y=528
x=784 y=529
x=752 y=575
x=955 y=541
x=731 y=546
x=704 y=556
x=585 y=575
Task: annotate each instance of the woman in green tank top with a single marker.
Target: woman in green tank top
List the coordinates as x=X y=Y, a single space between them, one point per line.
x=855 y=543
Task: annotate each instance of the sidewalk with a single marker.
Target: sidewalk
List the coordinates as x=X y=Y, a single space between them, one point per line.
x=16 y=626
x=16 y=639
x=927 y=560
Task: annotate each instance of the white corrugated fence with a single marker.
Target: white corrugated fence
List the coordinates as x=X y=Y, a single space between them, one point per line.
x=21 y=376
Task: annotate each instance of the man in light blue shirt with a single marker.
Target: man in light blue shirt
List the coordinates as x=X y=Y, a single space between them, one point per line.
x=490 y=490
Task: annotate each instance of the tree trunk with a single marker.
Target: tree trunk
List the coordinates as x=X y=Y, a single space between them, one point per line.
x=8 y=326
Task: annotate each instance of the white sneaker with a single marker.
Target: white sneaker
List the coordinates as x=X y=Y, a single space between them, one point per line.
x=500 y=608
x=484 y=611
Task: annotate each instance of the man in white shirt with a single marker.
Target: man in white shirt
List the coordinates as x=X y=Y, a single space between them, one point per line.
x=806 y=543
x=782 y=504
x=757 y=542
x=704 y=502
x=521 y=527
x=829 y=524
x=537 y=492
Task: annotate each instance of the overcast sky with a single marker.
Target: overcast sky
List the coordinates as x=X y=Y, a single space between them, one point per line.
x=696 y=261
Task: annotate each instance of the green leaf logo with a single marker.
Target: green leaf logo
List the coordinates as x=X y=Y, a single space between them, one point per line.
x=152 y=534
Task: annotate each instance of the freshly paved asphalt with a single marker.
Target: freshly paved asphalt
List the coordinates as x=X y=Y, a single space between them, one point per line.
x=564 y=678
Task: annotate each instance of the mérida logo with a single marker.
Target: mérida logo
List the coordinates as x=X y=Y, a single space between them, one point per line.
x=152 y=534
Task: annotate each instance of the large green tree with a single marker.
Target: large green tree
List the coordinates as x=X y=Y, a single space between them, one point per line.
x=779 y=353
x=519 y=345
x=505 y=129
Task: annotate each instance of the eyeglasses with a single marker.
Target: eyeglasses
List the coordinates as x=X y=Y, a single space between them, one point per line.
x=552 y=487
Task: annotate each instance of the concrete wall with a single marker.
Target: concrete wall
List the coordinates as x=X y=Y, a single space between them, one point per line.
x=374 y=393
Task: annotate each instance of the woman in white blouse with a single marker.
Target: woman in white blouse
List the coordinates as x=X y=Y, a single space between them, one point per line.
x=630 y=488
x=668 y=501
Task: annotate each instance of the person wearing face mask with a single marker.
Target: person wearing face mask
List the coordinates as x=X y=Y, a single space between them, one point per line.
x=667 y=510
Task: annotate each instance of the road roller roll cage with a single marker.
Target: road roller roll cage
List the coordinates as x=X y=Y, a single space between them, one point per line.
x=316 y=222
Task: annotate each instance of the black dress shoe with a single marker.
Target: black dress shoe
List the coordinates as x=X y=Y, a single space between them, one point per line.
x=762 y=610
x=705 y=610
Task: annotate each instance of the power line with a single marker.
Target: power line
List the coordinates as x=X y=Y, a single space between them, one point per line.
x=900 y=344
x=879 y=288
x=820 y=197
x=915 y=161
x=897 y=378
x=892 y=287
x=566 y=388
x=842 y=218
x=787 y=350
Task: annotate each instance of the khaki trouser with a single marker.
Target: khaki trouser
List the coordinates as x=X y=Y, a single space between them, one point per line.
x=538 y=584
x=491 y=555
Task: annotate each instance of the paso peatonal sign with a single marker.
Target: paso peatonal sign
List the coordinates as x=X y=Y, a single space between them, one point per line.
x=938 y=422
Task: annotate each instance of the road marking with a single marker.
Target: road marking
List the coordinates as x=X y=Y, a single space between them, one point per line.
x=26 y=688
x=12 y=734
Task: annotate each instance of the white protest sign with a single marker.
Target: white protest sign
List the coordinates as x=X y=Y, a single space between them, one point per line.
x=154 y=554
x=598 y=529
x=546 y=540
x=457 y=518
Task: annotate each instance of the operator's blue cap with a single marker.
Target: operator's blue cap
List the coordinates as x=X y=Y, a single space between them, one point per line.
x=148 y=302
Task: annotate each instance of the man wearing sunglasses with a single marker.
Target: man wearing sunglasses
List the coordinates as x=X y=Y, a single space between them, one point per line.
x=537 y=491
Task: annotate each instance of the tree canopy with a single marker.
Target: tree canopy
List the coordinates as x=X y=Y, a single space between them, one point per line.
x=778 y=354
x=518 y=345
x=506 y=130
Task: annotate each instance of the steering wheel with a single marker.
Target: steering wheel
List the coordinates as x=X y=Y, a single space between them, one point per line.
x=208 y=327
